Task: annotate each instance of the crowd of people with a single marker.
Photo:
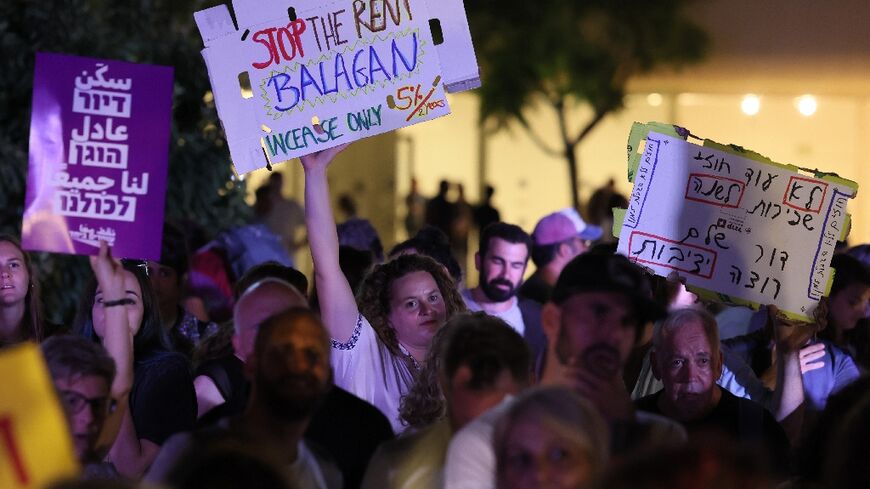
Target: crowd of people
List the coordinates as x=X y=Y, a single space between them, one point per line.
x=388 y=372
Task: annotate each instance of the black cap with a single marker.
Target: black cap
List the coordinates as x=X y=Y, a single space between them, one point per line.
x=604 y=272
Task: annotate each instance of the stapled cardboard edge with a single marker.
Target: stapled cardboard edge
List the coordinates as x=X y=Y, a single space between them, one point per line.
x=637 y=141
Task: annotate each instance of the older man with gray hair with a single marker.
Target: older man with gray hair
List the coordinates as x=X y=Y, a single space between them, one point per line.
x=687 y=359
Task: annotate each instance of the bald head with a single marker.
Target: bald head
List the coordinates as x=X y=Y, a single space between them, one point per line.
x=260 y=301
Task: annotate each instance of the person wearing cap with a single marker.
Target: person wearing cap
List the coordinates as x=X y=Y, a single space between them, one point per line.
x=600 y=305
x=556 y=240
x=501 y=259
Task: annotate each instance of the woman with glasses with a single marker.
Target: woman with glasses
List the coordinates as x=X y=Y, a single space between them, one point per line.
x=119 y=310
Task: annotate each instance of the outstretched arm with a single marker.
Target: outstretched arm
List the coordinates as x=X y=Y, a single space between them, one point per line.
x=337 y=303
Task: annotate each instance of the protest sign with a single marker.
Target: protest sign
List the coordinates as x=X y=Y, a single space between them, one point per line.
x=733 y=223
x=99 y=148
x=35 y=444
x=301 y=76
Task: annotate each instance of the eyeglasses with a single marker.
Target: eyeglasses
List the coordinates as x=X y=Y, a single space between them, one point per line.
x=75 y=402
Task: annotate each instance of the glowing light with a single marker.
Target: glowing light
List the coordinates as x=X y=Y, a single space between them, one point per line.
x=751 y=104
x=654 y=99
x=806 y=105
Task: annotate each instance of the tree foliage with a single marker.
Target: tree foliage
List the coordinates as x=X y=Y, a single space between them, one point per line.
x=568 y=52
x=200 y=186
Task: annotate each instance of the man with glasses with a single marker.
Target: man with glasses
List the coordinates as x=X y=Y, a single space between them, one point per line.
x=83 y=372
x=556 y=240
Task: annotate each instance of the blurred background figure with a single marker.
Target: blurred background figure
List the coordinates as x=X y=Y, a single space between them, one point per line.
x=284 y=217
x=556 y=240
x=599 y=209
x=415 y=204
x=439 y=209
x=551 y=438
x=485 y=213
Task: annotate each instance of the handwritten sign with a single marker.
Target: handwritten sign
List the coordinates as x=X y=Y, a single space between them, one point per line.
x=35 y=444
x=732 y=222
x=302 y=76
x=99 y=145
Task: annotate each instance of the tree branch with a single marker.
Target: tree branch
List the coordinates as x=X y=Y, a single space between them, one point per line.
x=539 y=142
x=599 y=116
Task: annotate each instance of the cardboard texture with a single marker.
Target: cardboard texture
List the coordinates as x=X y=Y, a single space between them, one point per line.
x=736 y=225
x=297 y=77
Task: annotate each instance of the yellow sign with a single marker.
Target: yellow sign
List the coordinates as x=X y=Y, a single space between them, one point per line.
x=35 y=444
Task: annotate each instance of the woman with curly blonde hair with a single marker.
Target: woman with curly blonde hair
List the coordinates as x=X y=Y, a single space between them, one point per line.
x=378 y=345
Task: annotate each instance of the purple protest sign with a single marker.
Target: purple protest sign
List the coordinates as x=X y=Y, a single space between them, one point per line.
x=99 y=147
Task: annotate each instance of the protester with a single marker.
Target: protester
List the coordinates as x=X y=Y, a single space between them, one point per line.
x=359 y=234
x=284 y=217
x=348 y=428
x=20 y=308
x=687 y=359
x=167 y=278
x=485 y=213
x=600 y=305
x=415 y=205
x=460 y=225
x=556 y=240
x=824 y=367
x=550 y=438
x=162 y=400
x=848 y=306
x=439 y=210
x=289 y=371
x=83 y=372
x=475 y=361
x=501 y=260
x=379 y=345
x=431 y=242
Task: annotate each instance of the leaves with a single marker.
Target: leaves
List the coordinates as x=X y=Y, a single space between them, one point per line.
x=163 y=32
x=567 y=52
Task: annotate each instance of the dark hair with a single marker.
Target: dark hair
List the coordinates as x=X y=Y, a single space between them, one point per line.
x=432 y=242
x=602 y=272
x=361 y=235
x=483 y=343
x=264 y=330
x=374 y=297
x=31 y=324
x=542 y=255
x=848 y=270
x=271 y=269
x=150 y=338
x=174 y=252
x=69 y=356
x=508 y=232
x=487 y=345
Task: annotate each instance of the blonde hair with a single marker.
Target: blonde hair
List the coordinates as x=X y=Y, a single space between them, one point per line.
x=561 y=411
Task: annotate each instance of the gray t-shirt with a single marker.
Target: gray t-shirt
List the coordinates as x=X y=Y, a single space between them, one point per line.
x=512 y=316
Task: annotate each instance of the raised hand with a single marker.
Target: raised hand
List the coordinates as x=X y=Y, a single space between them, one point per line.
x=109 y=273
x=321 y=159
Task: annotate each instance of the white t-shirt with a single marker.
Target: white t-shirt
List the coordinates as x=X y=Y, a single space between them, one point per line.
x=366 y=368
x=512 y=316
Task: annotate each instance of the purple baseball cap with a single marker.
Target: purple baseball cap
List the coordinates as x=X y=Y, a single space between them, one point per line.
x=563 y=225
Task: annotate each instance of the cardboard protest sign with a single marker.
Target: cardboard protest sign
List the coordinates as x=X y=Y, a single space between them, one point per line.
x=35 y=444
x=301 y=76
x=731 y=222
x=99 y=148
